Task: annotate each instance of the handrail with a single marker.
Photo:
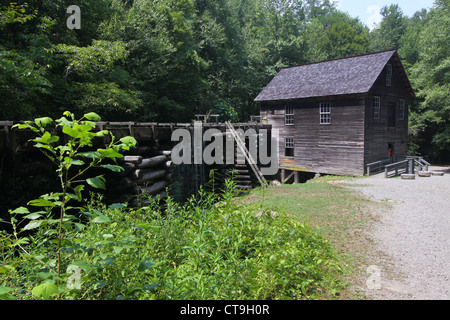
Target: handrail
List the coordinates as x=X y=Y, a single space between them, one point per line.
x=408 y=166
x=420 y=161
x=381 y=164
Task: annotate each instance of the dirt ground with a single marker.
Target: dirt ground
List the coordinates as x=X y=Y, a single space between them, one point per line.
x=408 y=252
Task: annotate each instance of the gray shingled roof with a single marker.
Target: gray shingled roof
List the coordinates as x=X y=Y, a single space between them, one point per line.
x=329 y=78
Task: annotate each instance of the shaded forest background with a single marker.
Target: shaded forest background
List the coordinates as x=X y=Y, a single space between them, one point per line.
x=166 y=60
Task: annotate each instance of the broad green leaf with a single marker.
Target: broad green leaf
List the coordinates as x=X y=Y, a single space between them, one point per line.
x=90 y=154
x=45 y=146
x=45 y=290
x=117 y=206
x=97 y=182
x=65 y=122
x=102 y=133
x=91 y=124
x=41 y=203
x=109 y=153
x=145 y=264
x=21 y=210
x=92 y=116
x=46 y=138
x=113 y=168
x=70 y=132
x=33 y=224
x=82 y=128
x=77 y=191
x=70 y=161
x=63 y=149
x=22 y=126
x=34 y=215
x=43 y=122
x=130 y=141
x=100 y=218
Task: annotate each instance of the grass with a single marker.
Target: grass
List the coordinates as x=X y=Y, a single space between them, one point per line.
x=339 y=214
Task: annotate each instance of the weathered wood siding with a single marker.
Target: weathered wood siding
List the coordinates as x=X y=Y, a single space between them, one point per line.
x=335 y=148
x=379 y=133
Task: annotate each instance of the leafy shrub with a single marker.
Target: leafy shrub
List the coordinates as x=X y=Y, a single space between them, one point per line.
x=208 y=248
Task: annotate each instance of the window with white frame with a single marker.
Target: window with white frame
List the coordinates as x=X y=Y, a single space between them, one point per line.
x=289 y=147
x=325 y=113
x=376 y=107
x=389 y=75
x=401 y=109
x=289 y=115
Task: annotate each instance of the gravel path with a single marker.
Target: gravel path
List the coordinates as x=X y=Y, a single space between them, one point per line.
x=412 y=238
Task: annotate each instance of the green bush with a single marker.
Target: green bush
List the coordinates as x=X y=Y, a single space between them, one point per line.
x=208 y=248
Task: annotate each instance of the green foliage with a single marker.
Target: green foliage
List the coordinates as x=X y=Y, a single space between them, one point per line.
x=422 y=42
x=56 y=219
x=15 y=13
x=226 y=112
x=209 y=248
x=391 y=29
x=336 y=36
x=431 y=75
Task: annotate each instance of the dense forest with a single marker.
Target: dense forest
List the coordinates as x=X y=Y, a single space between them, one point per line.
x=165 y=60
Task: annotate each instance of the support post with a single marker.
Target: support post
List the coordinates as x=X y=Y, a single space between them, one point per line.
x=296 y=180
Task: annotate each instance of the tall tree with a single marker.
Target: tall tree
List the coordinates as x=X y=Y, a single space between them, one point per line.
x=336 y=35
x=163 y=59
x=391 y=29
x=430 y=120
x=409 y=46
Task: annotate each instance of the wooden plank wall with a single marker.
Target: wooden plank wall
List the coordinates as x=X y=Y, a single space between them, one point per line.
x=378 y=133
x=336 y=148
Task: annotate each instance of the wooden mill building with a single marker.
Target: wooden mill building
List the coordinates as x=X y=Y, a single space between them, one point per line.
x=335 y=117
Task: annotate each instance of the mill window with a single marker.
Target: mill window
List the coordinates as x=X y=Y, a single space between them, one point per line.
x=389 y=75
x=325 y=113
x=376 y=107
x=401 y=110
x=289 y=147
x=289 y=115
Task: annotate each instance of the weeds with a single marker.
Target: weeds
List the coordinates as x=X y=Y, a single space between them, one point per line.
x=209 y=248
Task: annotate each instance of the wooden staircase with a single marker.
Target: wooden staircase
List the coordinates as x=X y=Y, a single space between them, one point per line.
x=243 y=177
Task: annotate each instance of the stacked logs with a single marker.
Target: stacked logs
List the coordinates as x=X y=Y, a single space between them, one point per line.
x=144 y=178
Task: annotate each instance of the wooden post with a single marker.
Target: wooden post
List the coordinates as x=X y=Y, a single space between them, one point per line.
x=296 y=177
x=411 y=166
x=283 y=174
